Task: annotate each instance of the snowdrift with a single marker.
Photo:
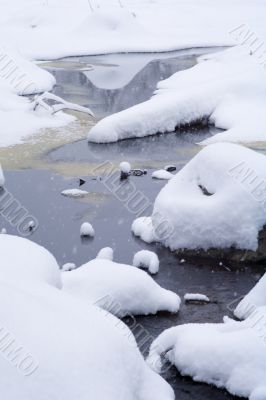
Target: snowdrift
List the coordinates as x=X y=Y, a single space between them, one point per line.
x=217 y=201
x=254 y=299
x=231 y=355
x=54 y=346
x=226 y=88
x=120 y=289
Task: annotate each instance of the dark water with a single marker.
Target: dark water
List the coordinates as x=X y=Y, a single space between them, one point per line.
x=60 y=217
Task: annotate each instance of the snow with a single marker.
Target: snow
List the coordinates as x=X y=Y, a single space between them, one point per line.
x=40 y=32
x=71 y=345
x=22 y=260
x=213 y=202
x=254 y=299
x=47 y=335
x=196 y=297
x=229 y=355
x=74 y=193
x=86 y=229
x=68 y=267
x=118 y=288
x=125 y=167
x=162 y=174
x=107 y=253
x=2 y=178
x=18 y=117
x=147 y=259
x=227 y=88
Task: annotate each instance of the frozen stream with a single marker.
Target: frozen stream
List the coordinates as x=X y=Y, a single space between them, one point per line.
x=108 y=84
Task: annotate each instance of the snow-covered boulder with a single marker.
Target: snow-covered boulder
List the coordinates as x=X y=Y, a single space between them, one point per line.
x=147 y=259
x=87 y=230
x=22 y=259
x=197 y=297
x=230 y=355
x=216 y=201
x=118 y=288
x=227 y=88
x=2 y=178
x=54 y=346
x=254 y=299
x=162 y=174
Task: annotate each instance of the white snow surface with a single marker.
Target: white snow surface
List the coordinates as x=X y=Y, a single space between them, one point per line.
x=147 y=259
x=227 y=88
x=232 y=215
x=229 y=355
x=22 y=259
x=46 y=30
x=72 y=346
x=162 y=174
x=48 y=336
x=118 y=288
x=254 y=299
x=18 y=119
x=196 y=297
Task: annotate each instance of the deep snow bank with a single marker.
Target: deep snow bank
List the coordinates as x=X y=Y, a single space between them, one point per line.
x=55 y=346
x=79 y=350
x=118 y=288
x=231 y=355
x=53 y=29
x=18 y=117
x=22 y=259
x=227 y=88
x=216 y=201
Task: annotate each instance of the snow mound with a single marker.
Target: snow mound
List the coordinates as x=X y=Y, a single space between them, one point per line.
x=196 y=297
x=215 y=201
x=68 y=267
x=230 y=356
x=125 y=167
x=147 y=259
x=2 y=178
x=162 y=174
x=74 y=193
x=57 y=339
x=22 y=259
x=226 y=88
x=254 y=299
x=107 y=253
x=86 y=230
x=118 y=288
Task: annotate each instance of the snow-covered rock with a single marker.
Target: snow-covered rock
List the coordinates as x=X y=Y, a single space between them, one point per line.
x=62 y=348
x=254 y=299
x=125 y=167
x=74 y=193
x=86 y=230
x=147 y=259
x=230 y=355
x=216 y=201
x=162 y=174
x=226 y=88
x=107 y=253
x=196 y=297
x=68 y=267
x=118 y=288
x=22 y=259
x=2 y=178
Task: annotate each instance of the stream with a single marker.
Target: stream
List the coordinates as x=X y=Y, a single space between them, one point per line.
x=109 y=84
